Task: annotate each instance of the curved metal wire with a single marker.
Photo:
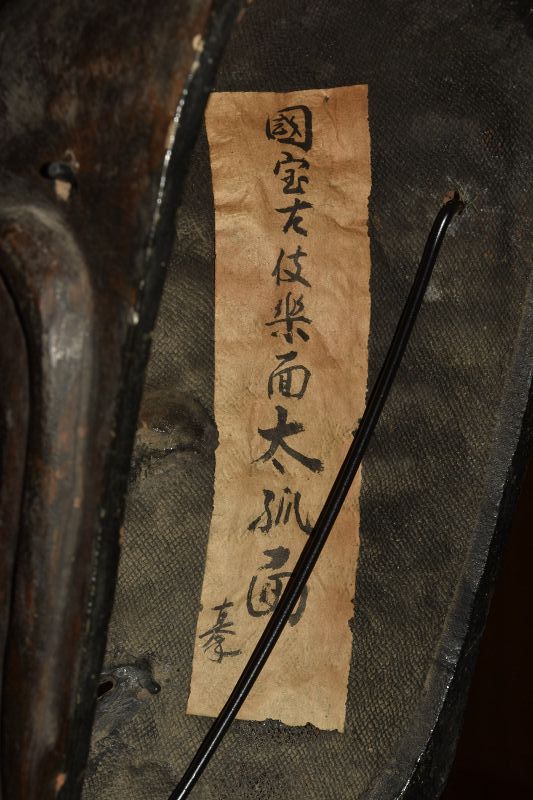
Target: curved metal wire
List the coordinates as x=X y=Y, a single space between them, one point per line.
x=316 y=541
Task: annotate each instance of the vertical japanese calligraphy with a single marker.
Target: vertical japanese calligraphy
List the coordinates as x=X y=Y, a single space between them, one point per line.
x=291 y=179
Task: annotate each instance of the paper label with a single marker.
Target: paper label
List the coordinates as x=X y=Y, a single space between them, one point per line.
x=291 y=179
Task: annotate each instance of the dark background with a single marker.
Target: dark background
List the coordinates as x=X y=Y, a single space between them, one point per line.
x=495 y=754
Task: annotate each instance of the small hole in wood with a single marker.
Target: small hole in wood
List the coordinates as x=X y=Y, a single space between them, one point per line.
x=105 y=687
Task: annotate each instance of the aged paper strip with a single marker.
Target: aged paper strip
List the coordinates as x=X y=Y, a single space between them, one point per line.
x=291 y=179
